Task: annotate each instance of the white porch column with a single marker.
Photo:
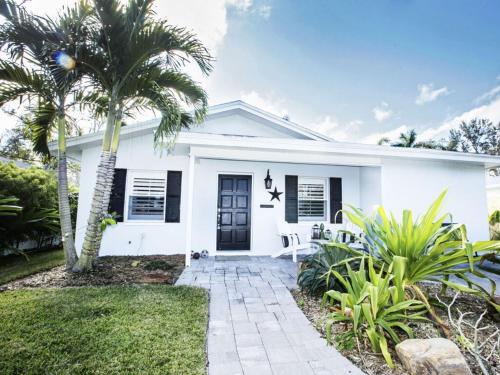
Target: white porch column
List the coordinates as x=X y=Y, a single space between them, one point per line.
x=189 y=216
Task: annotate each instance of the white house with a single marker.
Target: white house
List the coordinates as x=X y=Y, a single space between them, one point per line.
x=209 y=192
x=493 y=192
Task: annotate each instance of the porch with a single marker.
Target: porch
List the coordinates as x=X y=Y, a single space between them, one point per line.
x=358 y=183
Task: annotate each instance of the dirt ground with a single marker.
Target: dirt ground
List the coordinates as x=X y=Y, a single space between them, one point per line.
x=163 y=269
x=374 y=364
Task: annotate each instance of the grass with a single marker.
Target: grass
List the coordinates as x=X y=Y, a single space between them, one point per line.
x=142 y=329
x=16 y=266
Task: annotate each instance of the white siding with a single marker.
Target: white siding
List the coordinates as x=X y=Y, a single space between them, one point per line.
x=236 y=124
x=370 y=188
x=132 y=238
x=415 y=184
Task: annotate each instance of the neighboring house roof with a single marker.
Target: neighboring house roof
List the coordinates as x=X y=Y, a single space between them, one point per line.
x=19 y=163
x=305 y=140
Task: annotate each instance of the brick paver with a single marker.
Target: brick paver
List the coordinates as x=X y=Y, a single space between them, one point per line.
x=255 y=326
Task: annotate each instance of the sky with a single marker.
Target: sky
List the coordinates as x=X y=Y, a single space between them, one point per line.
x=354 y=70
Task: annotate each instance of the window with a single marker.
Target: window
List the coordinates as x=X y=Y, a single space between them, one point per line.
x=312 y=202
x=146 y=200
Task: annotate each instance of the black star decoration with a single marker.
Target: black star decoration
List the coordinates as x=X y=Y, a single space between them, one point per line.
x=275 y=194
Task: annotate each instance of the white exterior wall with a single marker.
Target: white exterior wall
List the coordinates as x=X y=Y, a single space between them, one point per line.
x=415 y=184
x=264 y=230
x=140 y=238
x=134 y=238
x=370 y=188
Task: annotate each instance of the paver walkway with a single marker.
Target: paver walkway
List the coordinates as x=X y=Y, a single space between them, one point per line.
x=255 y=326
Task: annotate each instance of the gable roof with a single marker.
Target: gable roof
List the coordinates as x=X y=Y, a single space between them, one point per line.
x=238 y=106
x=307 y=140
x=247 y=110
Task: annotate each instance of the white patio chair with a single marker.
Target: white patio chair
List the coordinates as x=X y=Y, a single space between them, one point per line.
x=291 y=241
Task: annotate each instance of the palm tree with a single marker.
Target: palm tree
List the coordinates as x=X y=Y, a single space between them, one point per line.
x=36 y=47
x=383 y=141
x=408 y=139
x=135 y=59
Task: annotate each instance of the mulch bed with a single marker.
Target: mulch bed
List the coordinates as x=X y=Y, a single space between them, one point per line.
x=156 y=269
x=374 y=364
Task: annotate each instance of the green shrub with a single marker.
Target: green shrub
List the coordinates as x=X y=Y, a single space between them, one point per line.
x=35 y=190
x=315 y=270
x=429 y=249
x=374 y=305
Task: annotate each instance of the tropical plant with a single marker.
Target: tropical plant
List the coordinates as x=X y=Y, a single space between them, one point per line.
x=426 y=246
x=33 y=197
x=494 y=221
x=408 y=139
x=315 y=268
x=374 y=305
x=480 y=136
x=135 y=59
x=43 y=71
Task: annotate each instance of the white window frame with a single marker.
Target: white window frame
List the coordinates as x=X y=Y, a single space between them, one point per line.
x=316 y=180
x=131 y=174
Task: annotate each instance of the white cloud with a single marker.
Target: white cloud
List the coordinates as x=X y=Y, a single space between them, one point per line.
x=391 y=134
x=330 y=126
x=428 y=94
x=488 y=96
x=266 y=102
x=490 y=110
x=382 y=112
x=265 y=11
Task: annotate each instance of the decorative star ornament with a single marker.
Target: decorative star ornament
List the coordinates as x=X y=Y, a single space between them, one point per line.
x=275 y=194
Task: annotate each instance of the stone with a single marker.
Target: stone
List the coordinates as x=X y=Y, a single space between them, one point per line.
x=431 y=357
x=135 y=263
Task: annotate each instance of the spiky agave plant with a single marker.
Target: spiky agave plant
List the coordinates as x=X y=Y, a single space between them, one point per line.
x=315 y=269
x=375 y=305
x=429 y=249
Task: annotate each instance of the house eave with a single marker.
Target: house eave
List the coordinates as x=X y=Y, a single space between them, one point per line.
x=341 y=148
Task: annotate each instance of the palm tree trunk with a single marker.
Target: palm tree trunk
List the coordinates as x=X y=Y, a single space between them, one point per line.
x=62 y=190
x=85 y=262
x=110 y=174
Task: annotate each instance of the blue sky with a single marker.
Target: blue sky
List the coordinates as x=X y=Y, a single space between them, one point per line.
x=355 y=70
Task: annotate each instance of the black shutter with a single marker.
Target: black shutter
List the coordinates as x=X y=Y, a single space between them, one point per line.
x=117 y=198
x=173 y=198
x=335 y=200
x=291 y=199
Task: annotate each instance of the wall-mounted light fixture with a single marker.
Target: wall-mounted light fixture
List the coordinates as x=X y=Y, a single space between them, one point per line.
x=268 y=181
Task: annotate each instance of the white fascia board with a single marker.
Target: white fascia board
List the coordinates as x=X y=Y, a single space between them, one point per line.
x=337 y=148
x=278 y=156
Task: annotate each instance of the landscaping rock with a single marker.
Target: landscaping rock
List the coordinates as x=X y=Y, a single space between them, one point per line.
x=432 y=357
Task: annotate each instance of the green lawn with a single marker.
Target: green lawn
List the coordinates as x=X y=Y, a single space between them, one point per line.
x=143 y=329
x=17 y=266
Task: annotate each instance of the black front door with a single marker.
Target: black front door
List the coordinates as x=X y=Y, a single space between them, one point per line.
x=233 y=212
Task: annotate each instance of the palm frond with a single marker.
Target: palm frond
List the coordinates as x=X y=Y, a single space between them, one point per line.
x=41 y=125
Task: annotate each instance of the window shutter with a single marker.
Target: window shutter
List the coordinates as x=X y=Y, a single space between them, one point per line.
x=173 y=197
x=335 y=200
x=117 y=198
x=291 y=199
